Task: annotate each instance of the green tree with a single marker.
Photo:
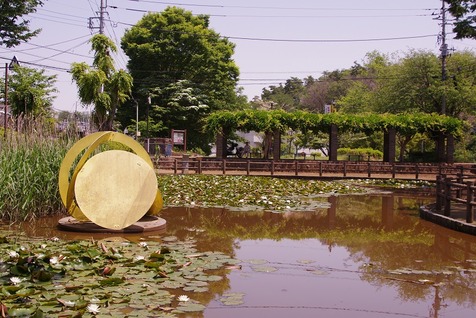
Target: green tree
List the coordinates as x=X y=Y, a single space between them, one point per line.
x=464 y=12
x=101 y=85
x=413 y=84
x=14 y=28
x=174 y=48
x=30 y=91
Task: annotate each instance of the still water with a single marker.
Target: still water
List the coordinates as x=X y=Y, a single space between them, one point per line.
x=365 y=256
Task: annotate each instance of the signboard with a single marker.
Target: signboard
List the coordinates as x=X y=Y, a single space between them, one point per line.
x=179 y=137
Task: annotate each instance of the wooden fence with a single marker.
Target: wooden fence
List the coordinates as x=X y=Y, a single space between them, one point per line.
x=310 y=168
x=456 y=194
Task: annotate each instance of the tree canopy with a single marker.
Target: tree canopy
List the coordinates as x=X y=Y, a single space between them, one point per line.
x=30 y=91
x=387 y=84
x=183 y=66
x=14 y=28
x=101 y=85
x=465 y=13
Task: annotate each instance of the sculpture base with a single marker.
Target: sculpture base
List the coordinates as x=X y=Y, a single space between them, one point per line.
x=145 y=224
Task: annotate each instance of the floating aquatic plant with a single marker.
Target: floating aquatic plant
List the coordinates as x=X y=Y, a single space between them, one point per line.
x=251 y=193
x=98 y=278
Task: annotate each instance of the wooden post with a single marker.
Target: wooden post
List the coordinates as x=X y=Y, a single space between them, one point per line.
x=296 y=167
x=248 y=166
x=459 y=177
x=333 y=142
x=175 y=166
x=469 y=202
x=438 y=193
x=199 y=165
x=272 y=167
x=277 y=144
x=345 y=168
x=417 y=171
x=320 y=168
x=393 y=170
x=450 y=148
x=224 y=166
x=447 y=197
x=389 y=145
x=368 y=169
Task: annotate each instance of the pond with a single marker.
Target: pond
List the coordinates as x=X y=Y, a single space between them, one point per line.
x=362 y=256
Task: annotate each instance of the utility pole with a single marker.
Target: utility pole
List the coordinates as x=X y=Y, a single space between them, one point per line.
x=444 y=54
x=5 y=109
x=102 y=12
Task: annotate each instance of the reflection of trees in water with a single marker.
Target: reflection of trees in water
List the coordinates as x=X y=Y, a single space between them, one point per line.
x=374 y=229
x=380 y=230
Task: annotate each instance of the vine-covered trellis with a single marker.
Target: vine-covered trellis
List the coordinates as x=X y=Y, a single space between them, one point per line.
x=273 y=123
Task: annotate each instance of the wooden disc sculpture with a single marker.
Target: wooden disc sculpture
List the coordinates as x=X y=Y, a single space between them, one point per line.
x=114 y=188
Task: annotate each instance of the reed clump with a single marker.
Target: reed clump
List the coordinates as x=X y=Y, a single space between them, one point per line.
x=30 y=159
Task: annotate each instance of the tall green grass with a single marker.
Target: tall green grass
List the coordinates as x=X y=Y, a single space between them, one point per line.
x=29 y=166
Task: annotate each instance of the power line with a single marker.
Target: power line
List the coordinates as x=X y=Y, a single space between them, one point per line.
x=275 y=8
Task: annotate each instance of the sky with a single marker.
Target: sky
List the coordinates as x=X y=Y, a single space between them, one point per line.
x=275 y=39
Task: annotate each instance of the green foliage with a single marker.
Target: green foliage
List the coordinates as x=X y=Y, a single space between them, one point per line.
x=29 y=178
x=266 y=121
x=30 y=91
x=14 y=27
x=363 y=153
x=185 y=68
x=101 y=85
x=464 y=12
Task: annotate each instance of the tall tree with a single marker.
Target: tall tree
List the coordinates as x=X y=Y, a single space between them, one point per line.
x=30 y=91
x=175 y=48
x=465 y=13
x=14 y=28
x=101 y=85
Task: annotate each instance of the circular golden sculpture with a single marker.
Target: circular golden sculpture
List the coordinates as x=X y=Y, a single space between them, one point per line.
x=113 y=188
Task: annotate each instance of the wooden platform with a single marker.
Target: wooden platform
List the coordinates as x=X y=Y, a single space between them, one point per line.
x=145 y=224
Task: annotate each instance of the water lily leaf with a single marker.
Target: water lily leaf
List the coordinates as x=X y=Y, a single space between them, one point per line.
x=21 y=312
x=190 y=307
x=232 y=299
x=257 y=261
x=113 y=281
x=265 y=269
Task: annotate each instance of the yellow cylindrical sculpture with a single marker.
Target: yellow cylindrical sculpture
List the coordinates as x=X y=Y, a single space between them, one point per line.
x=114 y=188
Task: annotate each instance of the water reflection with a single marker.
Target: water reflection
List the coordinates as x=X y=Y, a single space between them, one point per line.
x=365 y=256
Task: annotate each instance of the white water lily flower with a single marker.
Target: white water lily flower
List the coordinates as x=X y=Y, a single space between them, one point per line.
x=93 y=309
x=183 y=298
x=43 y=246
x=143 y=244
x=54 y=260
x=13 y=254
x=54 y=239
x=95 y=300
x=15 y=280
x=139 y=258
x=69 y=303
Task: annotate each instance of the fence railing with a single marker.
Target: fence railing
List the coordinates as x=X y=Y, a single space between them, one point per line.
x=316 y=168
x=458 y=189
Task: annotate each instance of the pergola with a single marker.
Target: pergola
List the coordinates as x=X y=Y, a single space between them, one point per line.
x=443 y=129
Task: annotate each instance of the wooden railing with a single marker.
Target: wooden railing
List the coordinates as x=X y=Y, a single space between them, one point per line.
x=458 y=189
x=312 y=168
